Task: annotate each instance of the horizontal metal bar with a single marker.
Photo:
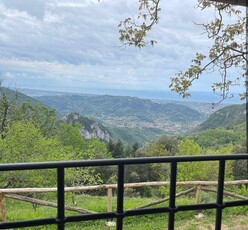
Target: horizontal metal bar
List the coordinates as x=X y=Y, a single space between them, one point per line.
x=236 y=203
x=147 y=211
x=137 y=212
x=113 y=215
x=27 y=223
x=192 y=207
x=88 y=217
x=109 y=162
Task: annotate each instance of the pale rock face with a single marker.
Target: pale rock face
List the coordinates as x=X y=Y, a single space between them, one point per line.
x=96 y=132
x=91 y=128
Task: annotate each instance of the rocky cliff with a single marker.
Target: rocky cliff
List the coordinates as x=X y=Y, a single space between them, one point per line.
x=90 y=127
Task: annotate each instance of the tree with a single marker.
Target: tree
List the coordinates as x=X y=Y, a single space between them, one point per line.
x=227 y=52
x=43 y=117
x=116 y=148
x=164 y=146
x=7 y=104
x=133 y=32
x=69 y=135
x=229 y=47
x=13 y=108
x=130 y=150
x=25 y=143
x=190 y=170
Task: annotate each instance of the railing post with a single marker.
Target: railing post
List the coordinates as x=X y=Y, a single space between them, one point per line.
x=120 y=197
x=172 y=203
x=61 y=198
x=220 y=189
x=2 y=207
x=198 y=194
x=110 y=195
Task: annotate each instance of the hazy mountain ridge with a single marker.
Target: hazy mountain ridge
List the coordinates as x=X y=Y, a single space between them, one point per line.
x=205 y=108
x=119 y=111
x=117 y=105
x=20 y=97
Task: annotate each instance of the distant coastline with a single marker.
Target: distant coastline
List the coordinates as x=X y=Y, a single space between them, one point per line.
x=196 y=96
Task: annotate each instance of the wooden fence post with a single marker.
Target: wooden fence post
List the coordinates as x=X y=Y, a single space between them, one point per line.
x=198 y=194
x=110 y=195
x=2 y=207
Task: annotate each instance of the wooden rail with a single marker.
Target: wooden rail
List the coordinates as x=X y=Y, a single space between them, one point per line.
x=198 y=186
x=126 y=185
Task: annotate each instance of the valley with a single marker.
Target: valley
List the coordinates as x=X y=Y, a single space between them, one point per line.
x=132 y=119
x=128 y=112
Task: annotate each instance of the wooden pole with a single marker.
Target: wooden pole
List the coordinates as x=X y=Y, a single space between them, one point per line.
x=3 y=207
x=127 y=185
x=198 y=194
x=110 y=196
x=226 y=193
x=167 y=198
x=46 y=203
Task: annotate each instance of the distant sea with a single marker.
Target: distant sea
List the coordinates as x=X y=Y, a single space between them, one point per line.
x=196 y=96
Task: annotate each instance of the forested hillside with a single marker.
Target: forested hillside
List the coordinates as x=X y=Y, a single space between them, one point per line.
x=225 y=117
x=34 y=133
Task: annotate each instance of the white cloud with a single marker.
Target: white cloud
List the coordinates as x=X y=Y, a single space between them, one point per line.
x=70 y=42
x=35 y=8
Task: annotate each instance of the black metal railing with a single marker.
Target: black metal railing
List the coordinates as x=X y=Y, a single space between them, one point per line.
x=120 y=213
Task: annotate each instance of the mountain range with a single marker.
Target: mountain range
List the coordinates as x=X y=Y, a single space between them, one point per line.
x=105 y=105
x=133 y=119
x=123 y=112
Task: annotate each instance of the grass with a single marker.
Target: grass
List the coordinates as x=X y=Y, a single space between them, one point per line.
x=232 y=217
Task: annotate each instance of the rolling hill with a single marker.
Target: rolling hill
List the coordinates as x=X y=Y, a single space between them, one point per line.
x=123 y=111
x=226 y=117
x=141 y=109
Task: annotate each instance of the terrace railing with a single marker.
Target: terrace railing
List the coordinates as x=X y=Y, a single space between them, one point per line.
x=61 y=219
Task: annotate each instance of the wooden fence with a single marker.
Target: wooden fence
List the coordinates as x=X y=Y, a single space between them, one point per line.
x=195 y=186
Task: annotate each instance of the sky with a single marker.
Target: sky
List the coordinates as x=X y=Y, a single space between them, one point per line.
x=73 y=45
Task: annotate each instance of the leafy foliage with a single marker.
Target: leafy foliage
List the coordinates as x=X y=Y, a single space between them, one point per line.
x=214 y=138
x=32 y=134
x=133 y=32
x=227 y=31
x=228 y=51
